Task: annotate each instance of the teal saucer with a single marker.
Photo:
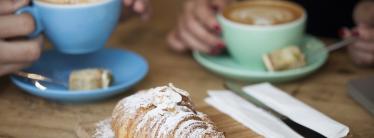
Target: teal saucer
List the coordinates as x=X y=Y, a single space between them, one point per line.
x=226 y=66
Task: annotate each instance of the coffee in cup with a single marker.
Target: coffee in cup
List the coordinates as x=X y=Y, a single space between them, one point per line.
x=263 y=13
x=69 y=1
x=252 y=28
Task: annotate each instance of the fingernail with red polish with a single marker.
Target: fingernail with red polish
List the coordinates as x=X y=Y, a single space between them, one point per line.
x=355 y=33
x=217 y=28
x=342 y=32
x=220 y=45
x=215 y=51
x=214 y=8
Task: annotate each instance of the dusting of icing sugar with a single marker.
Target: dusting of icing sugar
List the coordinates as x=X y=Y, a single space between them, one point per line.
x=166 y=100
x=183 y=128
x=104 y=129
x=166 y=97
x=172 y=122
x=166 y=110
x=148 y=116
x=197 y=132
x=180 y=91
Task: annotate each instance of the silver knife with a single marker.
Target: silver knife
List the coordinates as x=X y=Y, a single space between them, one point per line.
x=302 y=130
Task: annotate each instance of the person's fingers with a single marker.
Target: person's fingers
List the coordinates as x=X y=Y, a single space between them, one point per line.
x=364 y=46
x=205 y=14
x=143 y=7
x=175 y=43
x=200 y=32
x=189 y=40
x=139 y=6
x=148 y=10
x=128 y=3
x=10 y=6
x=20 y=51
x=364 y=13
x=345 y=32
x=147 y=13
x=361 y=57
x=219 y=4
x=16 y=25
x=10 y=68
x=188 y=7
x=365 y=32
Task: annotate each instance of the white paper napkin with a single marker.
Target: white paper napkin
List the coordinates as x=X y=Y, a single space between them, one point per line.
x=264 y=123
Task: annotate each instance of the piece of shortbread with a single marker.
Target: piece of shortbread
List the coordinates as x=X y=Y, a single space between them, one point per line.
x=283 y=59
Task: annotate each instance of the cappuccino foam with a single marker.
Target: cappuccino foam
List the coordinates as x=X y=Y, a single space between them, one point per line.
x=263 y=13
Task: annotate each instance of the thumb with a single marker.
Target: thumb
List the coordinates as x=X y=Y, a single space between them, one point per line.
x=345 y=32
x=219 y=5
x=366 y=32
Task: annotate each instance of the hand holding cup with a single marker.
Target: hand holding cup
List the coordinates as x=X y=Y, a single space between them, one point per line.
x=15 y=52
x=141 y=7
x=197 y=27
x=362 y=52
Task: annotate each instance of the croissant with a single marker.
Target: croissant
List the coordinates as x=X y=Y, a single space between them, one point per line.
x=161 y=112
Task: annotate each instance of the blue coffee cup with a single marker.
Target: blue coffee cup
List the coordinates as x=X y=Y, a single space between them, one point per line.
x=75 y=28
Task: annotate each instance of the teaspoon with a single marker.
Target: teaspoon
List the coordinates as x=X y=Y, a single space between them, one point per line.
x=38 y=79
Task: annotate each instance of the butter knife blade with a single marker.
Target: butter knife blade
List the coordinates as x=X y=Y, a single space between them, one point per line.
x=302 y=130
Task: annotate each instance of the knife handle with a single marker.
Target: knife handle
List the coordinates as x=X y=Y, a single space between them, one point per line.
x=302 y=130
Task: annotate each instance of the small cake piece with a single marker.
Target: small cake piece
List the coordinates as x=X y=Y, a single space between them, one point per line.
x=283 y=59
x=89 y=79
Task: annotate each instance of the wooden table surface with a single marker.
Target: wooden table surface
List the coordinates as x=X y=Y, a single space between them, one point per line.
x=24 y=115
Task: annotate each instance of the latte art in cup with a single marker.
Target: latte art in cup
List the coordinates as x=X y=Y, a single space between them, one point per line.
x=262 y=16
x=263 y=13
x=69 y=1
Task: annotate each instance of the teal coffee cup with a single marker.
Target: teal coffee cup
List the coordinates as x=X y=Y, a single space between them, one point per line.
x=253 y=28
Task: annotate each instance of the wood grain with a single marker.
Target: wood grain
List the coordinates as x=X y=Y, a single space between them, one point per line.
x=23 y=115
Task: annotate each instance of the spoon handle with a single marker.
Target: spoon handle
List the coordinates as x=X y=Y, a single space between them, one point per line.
x=330 y=48
x=31 y=76
x=340 y=44
x=39 y=81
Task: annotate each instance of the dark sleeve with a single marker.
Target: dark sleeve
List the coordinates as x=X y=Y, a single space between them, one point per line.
x=326 y=17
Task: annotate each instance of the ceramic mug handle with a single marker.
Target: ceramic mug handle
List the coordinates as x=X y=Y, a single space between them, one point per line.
x=33 y=11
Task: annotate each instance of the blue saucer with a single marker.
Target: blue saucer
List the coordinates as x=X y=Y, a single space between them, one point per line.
x=128 y=68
